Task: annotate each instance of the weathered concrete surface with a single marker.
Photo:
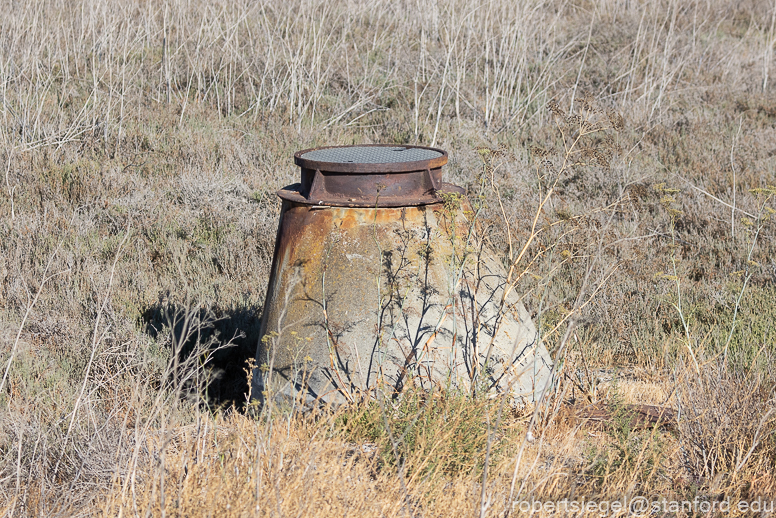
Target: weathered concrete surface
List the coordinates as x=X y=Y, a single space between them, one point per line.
x=364 y=299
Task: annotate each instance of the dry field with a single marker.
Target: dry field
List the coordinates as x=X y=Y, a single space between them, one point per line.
x=623 y=154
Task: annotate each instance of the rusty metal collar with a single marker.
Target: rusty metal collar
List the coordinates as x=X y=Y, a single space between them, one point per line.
x=369 y=176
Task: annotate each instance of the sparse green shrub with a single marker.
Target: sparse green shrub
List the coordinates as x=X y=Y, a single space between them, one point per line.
x=634 y=457
x=434 y=434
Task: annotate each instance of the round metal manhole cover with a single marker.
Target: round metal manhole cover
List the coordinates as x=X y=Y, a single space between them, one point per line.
x=371 y=159
x=371 y=154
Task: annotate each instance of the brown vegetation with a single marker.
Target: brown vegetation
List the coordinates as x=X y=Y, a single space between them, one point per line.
x=141 y=147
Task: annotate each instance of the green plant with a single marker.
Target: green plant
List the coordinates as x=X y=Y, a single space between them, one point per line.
x=634 y=456
x=435 y=433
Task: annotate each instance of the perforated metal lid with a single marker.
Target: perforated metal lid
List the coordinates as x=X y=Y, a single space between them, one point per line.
x=371 y=154
x=376 y=158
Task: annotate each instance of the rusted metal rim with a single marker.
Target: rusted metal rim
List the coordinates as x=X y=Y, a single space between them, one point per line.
x=293 y=193
x=370 y=175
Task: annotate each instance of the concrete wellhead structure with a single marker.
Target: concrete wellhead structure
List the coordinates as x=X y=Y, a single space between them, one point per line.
x=381 y=280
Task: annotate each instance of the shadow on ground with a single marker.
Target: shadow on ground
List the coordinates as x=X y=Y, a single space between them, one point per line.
x=225 y=338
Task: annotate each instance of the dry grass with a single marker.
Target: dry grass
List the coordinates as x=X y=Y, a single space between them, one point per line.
x=234 y=466
x=142 y=145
